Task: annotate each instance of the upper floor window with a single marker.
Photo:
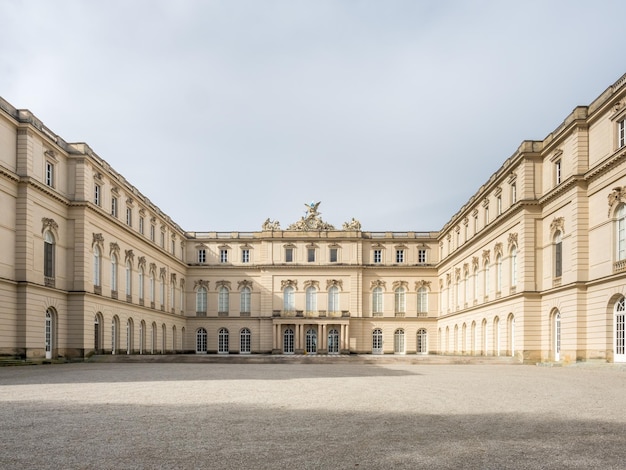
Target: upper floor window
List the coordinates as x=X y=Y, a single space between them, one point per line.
x=223 y=255
x=162 y=238
x=48 y=255
x=245 y=256
x=201 y=297
x=421 y=256
x=513 y=266
x=50 y=174
x=486 y=215
x=152 y=232
x=475 y=224
x=289 y=255
x=97 y=195
x=311 y=299
x=621 y=133
x=400 y=256
x=499 y=205
x=114 y=206
x=173 y=247
x=129 y=217
x=96 y=266
x=310 y=255
x=422 y=300
x=244 y=300
x=513 y=193
x=222 y=300
x=289 y=304
x=557 y=172
x=499 y=273
x=377 y=300
x=113 y=272
x=400 y=300
x=333 y=299
x=558 y=255
x=129 y=271
x=378 y=255
x=620 y=235
x=141 y=222
x=201 y=255
x=333 y=255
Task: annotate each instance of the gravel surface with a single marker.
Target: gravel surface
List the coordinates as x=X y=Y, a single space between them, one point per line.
x=236 y=416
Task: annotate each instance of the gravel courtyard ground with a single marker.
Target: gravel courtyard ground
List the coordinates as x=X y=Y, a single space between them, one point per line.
x=256 y=416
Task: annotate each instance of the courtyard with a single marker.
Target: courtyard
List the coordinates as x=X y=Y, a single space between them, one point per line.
x=296 y=415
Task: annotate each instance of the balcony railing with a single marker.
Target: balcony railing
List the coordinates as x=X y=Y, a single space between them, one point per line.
x=222 y=314
x=114 y=294
x=48 y=281
x=619 y=266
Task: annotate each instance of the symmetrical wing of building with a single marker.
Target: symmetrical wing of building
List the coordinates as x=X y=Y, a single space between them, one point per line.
x=532 y=266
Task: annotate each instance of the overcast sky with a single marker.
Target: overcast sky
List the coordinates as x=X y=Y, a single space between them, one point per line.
x=225 y=113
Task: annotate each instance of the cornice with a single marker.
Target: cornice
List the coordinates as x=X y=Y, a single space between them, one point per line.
x=606 y=166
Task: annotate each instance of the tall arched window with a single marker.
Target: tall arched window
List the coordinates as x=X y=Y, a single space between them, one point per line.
x=311 y=341
x=201 y=296
x=289 y=303
x=96 y=266
x=222 y=300
x=222 y=341
x=333 y=299
x=244 y=341
x=398 y=341
x=311 y=299
x=619 y=312
x=486 y=281
x=422 y=341
x=244 y=295
x=129 y=336
x=201 y=341
x=499 y=273
x=465 y=289
x=129 y=273
x=377 y=300
x=620 y=235
x=115 y=340
x=475 y=283
x=556 y=339
x=48 y=257
x=141 y=276
x=514 y=266
x=496 y=336
x=142 y=337
x=333 y=341
x=288 y=337
x=558 y=255
x=400 y=300
x=50 y=333
x=377 y=341
x=152 y=290
x=162 y=291
x=172 y=295
x=114 y=272
x=422 y=300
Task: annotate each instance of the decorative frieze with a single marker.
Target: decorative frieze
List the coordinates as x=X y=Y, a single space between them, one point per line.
x=615 y=197
x=129 y=256
x=114 y=248
x=486 y=256
x=311 y=283
x=50 y=224
x=334 y=283
x=557 y=224
x=243 y=284
x=97 y=239
x=397 y=284
x=512 y=241
x=289 y=283
x=201 y=283
x=378 y=283
x=422 y=283
x=497 y=249
x=220 y=284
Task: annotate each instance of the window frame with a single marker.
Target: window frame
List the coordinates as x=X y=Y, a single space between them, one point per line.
x=377 y=255
x=50 y=174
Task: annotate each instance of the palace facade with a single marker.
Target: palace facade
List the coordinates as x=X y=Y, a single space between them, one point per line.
x=532 y=266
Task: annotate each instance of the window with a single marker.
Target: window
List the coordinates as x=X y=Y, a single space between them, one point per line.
x=558 y=255
x=97 y=195
x=201 y=341
x=113 y=272
x=114 y=206
x=486 y=284
x=399 y=256
x=620 y=248
x=499 y=273
x=173 y=247
x=311 y=341
x=222 y=300
x=333 y=255
x=288 y=299
x=486 y=215
x=398 y=341
x=400 y=300
x=201 y=295
x=333 y=341
x=620 y=331
x=378 y=256
x=311 y=299
x=621 y=133
x=162 y=238
x=422 y=300
x=475 y=224
x=152 y=232
x=129 y=272
x=96 y=266
x=244 y=341
x=162 y=292
x=377 y=300
x=421 y=256
x=48 y=256
x=129 y=217
x=377 y=341
x=141 y=276
x=223 y=255
x=288 y=255
x=141 y=222
x=513 y=193
x=333 y=299
x=422 y=341
x=172 y=295
x=245 y=300
x=513 y=266
x=50 y=174
x=288 y=338
x=201 y=256
x=152 y=291
x=245 y=255
x=557 y=172
x=310 y=255
x=499 y=205
x=222 y=341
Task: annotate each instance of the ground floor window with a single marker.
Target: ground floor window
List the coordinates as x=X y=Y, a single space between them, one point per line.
x=201 y=340
x=620 y=331
x=377 y=341
x=244 y=341
x=398 y=341
x=422 y=341
x=288 y=341
x=333 y=341
x=311 y=341
x=222 y=341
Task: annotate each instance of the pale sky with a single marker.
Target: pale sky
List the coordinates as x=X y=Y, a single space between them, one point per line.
x=225 y=113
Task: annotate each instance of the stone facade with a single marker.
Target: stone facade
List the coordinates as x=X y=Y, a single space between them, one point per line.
x=532 y=266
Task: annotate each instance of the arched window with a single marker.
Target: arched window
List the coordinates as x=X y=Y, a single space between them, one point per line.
x=511 y=334
x=486 y=283
x=377 y=300
x=619 y=312
x=333 y=299
x=163 y=338
x=288 y=341
x=201 y=340
x=129 y=336
x=96 y=266
x=174 y=340
x=152 y=290
x=514 y=266
x=475 y=283
x=377 y=341
x=141 y=276
x=456 y=338
x=398 y=341
x=172 y=295
x=422 y=341
x=496 y=336
x=244 y=295
x=289 y=304
x=499 y=273
x=113 y=272
x=115 y=323
x=50 y=333
x=473 y=339
x=129 y=273
x=142 y=337
x=333 y=341
x=556 y=331
x=222 y=300
x=311 y=341
x=244 y=341
x=400 y=300
x=422 y=300
x=162 y=291
x=464 y=338
x=558 y=255
x=153 y=343
x=48 y=257
x=620 y=235
x=97 y=333
x=201 y=296
x=222 y=341
x=311 y=299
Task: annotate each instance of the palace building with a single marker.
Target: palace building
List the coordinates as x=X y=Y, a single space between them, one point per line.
x=532 y=266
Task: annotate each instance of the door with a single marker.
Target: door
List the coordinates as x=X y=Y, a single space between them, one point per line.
x=49 y=330
x=620 y=330
x=557 y=336
x=333 y=341
x=377 y=341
